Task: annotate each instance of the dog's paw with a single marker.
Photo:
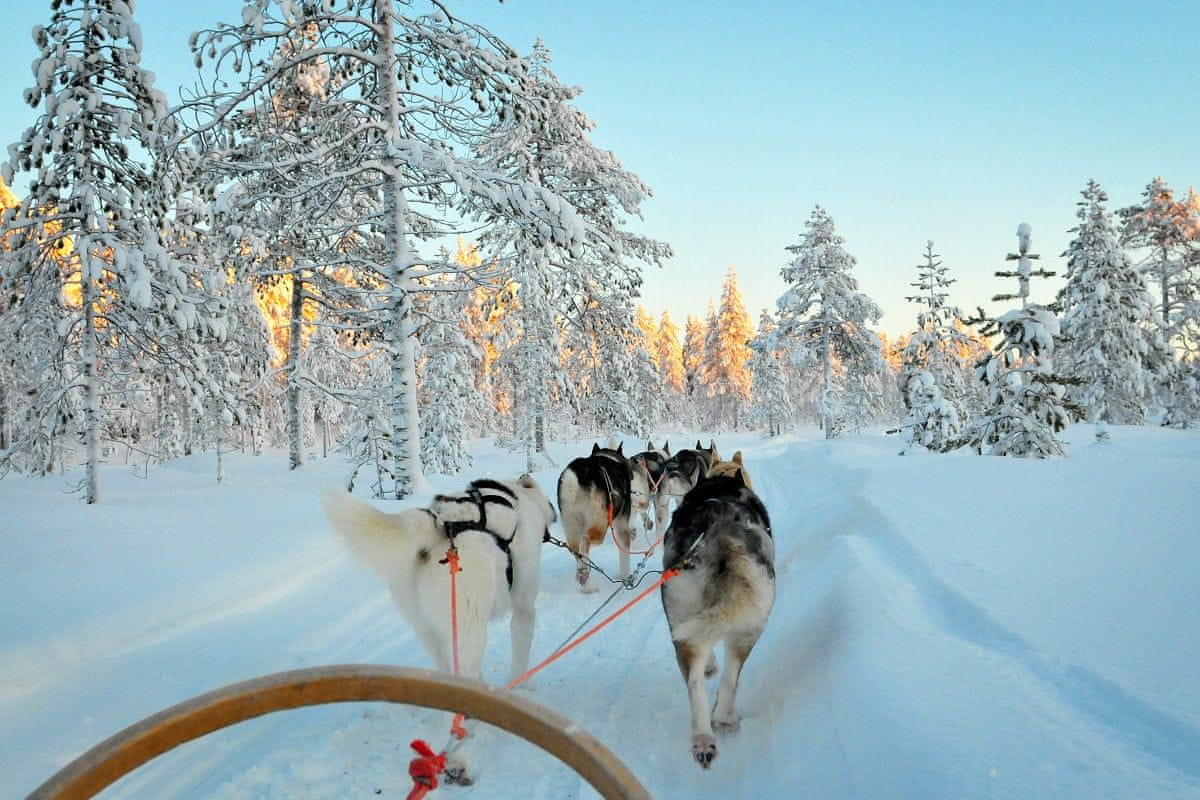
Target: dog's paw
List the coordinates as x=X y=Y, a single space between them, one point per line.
x=704 y=749
x=729 y=725
x=587 y=588
x=457 y=774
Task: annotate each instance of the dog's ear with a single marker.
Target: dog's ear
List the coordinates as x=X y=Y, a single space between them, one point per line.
x=595 y=448
x=737 y=474
x=649 y=445
x=667 y=446
x=698 y=446
x=737 y=458
x=621 y=449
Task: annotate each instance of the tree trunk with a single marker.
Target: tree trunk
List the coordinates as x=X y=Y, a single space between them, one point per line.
x=91 y=410
x=405 y=420
x=295 y=332
x=827 y=369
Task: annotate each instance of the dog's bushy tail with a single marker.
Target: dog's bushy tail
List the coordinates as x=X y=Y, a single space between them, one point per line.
x=377 y=540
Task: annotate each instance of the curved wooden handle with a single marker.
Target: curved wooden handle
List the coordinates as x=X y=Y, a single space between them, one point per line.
x=191 y=719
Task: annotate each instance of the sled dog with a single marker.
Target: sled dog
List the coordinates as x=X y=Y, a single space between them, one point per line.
x=684 y=470
x=594 y=492
x=647 y=484
x=497 y=528
x=728 y=468
x=721 y=537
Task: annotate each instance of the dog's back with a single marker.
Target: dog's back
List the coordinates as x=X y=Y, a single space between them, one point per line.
x=587 y=488
x=721 y=537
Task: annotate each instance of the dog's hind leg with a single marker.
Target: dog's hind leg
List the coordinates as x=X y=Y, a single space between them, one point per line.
x=692 y=659
x=522 y=637
x=724 y=717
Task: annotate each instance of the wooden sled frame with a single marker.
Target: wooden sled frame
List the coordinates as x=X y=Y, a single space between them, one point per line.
x=139 y=743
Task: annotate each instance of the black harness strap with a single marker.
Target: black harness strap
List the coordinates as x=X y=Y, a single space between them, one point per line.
x=455 y=527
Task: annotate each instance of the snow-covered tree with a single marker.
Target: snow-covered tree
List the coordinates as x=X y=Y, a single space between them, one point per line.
x=553 y=150
x=1027 y=400
x=1166 y=232
x=1112 y=346
x=93 y=289
x=448 y=396
x=823 y=314
x=770 y=401
x=727 y=353
x=931 y=352
x=413 y=93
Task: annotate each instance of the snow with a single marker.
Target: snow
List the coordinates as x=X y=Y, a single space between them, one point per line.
x=946 y=626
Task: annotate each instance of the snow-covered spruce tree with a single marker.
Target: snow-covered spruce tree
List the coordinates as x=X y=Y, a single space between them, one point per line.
x=1112 y=346
x=824 y=314
x=1027 y=400
x=728 y=374
x=413 y=92
x=931 y=352
x=448 y=397
x=553 y=150
x=89 y=273
x=693 y=364
x=607 y=360
x=770 y=403
x=932 y=422
x=671 y=374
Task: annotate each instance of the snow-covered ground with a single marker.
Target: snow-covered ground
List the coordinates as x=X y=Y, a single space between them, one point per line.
x=945 y=627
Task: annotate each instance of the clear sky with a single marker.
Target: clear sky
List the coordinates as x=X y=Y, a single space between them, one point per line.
x=950 y=121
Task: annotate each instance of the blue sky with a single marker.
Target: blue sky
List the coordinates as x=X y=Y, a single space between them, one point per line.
x=906 y=121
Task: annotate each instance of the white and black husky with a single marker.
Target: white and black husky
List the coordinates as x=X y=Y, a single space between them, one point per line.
x=595 y=492
x=497 y=528
x=721 y=537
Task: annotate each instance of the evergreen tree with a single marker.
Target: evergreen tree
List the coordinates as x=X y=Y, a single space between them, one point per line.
x=771 y=405
x=670 y=355
x=729 y=375
x=930 y=352
x=448 y=395
x=1027 y=400
x=92 y=287
x=824 y=315
x=1112 y=348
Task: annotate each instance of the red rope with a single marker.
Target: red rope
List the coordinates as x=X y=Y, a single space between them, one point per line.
x=666 y=576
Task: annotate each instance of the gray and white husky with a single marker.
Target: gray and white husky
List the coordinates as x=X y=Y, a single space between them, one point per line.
x=720 y=535
x=685 y=469
x=595 y=492
x=497 y=528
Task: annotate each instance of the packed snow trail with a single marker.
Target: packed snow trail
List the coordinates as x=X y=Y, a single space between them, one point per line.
x=899 y=660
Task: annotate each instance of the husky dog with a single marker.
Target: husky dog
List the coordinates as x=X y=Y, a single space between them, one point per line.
x=730 y=467
x=497 y=527
x=721 y=538
x=646 y=483
x=594 y=492
x=684 y=470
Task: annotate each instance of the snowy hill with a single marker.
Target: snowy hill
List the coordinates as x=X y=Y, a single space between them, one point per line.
x=945 y=627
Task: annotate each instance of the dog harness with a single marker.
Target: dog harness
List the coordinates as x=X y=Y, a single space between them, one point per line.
x=473 y=495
